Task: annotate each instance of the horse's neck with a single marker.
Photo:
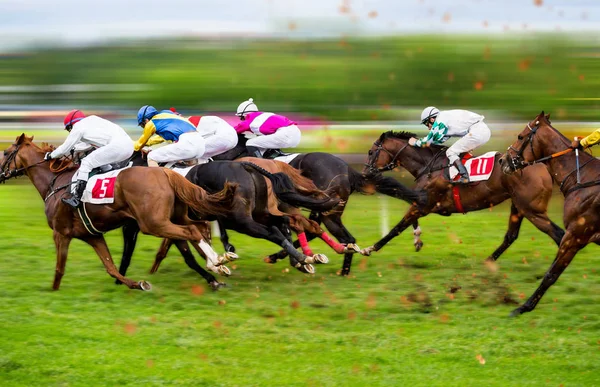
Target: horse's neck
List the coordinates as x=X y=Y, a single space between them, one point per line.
x=564 y=167
x=417 y=159
x=41 y=177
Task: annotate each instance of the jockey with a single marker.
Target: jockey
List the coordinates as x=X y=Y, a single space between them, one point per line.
x=469 y=126
x=113 y=144
x=187 y=143
x=588 y=141
x=218 y=134
x=273 y=131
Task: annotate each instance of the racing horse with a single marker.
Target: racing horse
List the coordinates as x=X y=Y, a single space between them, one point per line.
x=579 y=180
x=529 y=192
x=334 y=176
x=155 y=199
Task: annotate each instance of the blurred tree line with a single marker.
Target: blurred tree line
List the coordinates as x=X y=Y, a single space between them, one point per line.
x=343 y=79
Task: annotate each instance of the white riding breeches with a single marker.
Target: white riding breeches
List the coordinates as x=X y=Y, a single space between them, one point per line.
x=190 y=146
x=218 y=134
x=479 y=134
x=286 y=137
x=115 y=151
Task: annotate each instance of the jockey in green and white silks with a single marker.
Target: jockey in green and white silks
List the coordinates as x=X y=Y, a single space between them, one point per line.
x=454 y=123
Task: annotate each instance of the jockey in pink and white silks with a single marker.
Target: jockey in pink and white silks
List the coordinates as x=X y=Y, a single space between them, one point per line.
x=469 y=126
x=273 y=131
x=113 y=144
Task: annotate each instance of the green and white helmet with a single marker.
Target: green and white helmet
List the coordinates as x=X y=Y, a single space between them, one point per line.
x=246 y=107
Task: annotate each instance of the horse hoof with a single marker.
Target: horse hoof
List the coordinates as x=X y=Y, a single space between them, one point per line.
x=224 y=270
x=216 y=285
x=352 y=248
x=230 y=248
x=307 y=268
x=145 y=286
x=367 y=251
x=231 y=256
x=320 y=258
x=269 y=260
x=418 y=246
x=517 y=312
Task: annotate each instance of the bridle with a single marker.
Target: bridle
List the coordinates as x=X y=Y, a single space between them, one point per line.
x=517 y=161
x=8 y=173
x=389 y=166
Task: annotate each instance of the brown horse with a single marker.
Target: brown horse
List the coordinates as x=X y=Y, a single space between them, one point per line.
x=157 y=199
x=540 y=142
x=529 y=192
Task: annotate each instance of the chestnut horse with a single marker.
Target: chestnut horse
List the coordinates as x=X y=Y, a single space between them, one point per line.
x=540 y=143
x=529 y=192
x=155 y=198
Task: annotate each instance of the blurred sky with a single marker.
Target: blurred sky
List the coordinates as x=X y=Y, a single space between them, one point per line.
x=85 y=21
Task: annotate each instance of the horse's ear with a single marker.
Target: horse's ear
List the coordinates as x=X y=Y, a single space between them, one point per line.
x=30 y=138
x=547 y=116
x=20 y=139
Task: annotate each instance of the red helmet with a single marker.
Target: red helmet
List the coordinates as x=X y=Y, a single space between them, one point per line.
x=73 y=117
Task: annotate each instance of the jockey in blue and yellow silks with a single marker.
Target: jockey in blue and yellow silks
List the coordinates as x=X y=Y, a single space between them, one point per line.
x=187 y=143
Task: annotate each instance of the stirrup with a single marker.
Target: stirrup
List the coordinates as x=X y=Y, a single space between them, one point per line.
x=462 y=180
x=72 y=201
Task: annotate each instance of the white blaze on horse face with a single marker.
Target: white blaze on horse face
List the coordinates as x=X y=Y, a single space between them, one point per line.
x=212 y=258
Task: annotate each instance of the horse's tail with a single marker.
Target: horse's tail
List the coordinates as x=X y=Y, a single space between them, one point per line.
x=387 y=186
x=284 y=189
x=303 y=184
x=200 y=201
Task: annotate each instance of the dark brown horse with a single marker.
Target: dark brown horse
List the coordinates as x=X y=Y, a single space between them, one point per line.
x=540 y=143
x=155 y=198
x=530 y=192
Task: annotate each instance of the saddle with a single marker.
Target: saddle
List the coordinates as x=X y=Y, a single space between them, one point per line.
x=272 y=154
x=109 y=167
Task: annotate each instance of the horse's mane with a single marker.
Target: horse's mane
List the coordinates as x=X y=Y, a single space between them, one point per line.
x=406 y=136
x=45 y=147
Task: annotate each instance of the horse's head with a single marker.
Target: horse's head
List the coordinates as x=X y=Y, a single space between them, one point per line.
x=525 y=150
x=383 y=155
x=17 y=156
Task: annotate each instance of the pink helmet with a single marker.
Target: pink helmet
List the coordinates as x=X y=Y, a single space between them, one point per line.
x=73 y=117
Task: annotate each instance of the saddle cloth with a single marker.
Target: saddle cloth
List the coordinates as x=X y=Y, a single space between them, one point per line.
x=100 y=188
x=480 y=168
x=287 y=158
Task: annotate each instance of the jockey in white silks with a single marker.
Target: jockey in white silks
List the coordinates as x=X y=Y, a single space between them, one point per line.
x=454 y=123
x=217 y=133
x=112 y=142
x=273 y=131
x=187 y=144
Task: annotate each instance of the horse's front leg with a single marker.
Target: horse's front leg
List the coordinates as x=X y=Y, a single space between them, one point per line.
x=130 y=233
x=62 y=250
x=417 y=242
x=411 y=216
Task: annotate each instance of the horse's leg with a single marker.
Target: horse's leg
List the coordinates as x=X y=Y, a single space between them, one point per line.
x=569 y=246
x=336 y=228
x=225 y=238
x=161 y=254
x=514 y=226
x=62 y=250
x=273 y=258
x=417 y=242
x=300 y=224
x=412 y=215
x=99 y=245
x=130 y=233
x=184 y=249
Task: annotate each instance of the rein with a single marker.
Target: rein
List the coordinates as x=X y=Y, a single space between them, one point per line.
x=389 y=166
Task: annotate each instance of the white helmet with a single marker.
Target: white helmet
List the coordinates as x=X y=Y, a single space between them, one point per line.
x=246 y=107
x=428 y=113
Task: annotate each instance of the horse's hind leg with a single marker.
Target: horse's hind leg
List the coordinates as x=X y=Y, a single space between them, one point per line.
x=411 y=216
x=514 y=226
x=229 y=248
x=130 y=233
x=417 y=242
x=62 y=250
x=99 y=245
x=161 y=254
x=273 y=258
x=184 y=249
x=337 y=229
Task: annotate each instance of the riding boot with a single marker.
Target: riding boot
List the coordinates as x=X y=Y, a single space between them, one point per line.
x=462 y=171
x=254 y=152
x=75 y=199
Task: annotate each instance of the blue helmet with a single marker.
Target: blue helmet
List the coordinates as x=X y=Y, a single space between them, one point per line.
x=146 y=112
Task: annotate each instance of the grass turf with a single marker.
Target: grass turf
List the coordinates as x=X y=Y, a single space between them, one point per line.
x=436 y=317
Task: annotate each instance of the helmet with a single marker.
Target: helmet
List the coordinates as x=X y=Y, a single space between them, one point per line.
x=146 y=112
x=428 y=113
x=72 y=117
x=246 y=107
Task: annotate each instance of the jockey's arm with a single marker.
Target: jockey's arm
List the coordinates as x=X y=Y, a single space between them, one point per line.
x=72 y=139
x=156 y=139
x=242 y=127
x=592 y=139
x=435 y=136
x=149 y=130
